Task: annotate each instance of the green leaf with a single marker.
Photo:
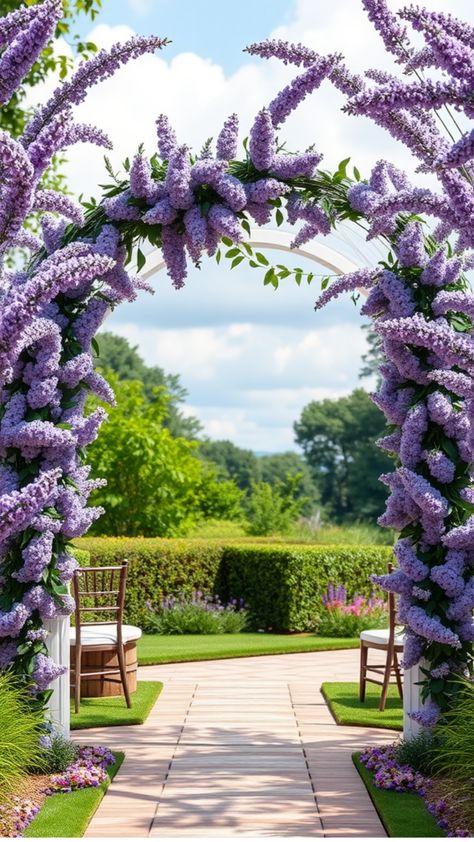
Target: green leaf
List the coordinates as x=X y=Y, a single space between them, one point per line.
x=141 y=260
x=227 y=241
x=325 y=282
x=246 y=226
x=261 y=258
x=218 y=256
x=278 y=216
x=270 y=278
x=232 y=252
x=356 y=174
x=95 y=346
x=237 y=260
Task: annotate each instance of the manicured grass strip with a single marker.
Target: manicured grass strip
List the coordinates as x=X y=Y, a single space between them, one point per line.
x=97 y=713
x=67 y=814
x=403 y=814
x=168 y=649
x=343 y=700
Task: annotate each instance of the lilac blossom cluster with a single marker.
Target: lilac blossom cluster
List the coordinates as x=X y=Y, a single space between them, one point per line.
x=49 y=315
x=199 y=201
x=421 y=308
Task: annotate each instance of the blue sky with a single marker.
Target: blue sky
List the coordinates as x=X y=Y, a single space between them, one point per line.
x=251 y=358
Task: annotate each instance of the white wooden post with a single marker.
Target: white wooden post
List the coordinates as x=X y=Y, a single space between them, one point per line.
x=58 y=648
x=412 y=699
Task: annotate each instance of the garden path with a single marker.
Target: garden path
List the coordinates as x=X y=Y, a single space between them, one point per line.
x=241 y=747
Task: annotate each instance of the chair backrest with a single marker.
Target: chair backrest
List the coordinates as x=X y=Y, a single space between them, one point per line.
x=99 y=592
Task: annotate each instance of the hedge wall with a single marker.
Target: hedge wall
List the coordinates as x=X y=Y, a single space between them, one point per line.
x=282 y=584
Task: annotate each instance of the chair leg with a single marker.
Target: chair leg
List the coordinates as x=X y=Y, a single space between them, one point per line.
x=363 y=666
x=398 y=674
x=123 y=674
x=386 y=679
x=77 y=678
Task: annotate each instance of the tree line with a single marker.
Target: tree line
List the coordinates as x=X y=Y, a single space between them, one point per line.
x=164 y=476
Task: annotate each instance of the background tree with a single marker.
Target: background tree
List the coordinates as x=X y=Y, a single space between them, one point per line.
x=275 y=468
x=274 y=508
x=338 y=441
x=156 y=484
x=373 y=357
x=234 y=462
x=116 y=354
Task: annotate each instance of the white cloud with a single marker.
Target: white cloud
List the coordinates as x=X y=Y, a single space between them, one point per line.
x=141 y=7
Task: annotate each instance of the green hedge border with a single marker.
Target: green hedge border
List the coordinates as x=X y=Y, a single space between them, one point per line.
x=282 y=584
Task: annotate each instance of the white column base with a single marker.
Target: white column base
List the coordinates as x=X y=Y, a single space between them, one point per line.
x=58 y=648
x=412 y=700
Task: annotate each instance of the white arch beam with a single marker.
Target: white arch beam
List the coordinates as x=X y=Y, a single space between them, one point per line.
x=275 y=239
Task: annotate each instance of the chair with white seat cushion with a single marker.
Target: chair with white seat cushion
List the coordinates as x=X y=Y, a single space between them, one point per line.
x=100 y=591
x=385 y=640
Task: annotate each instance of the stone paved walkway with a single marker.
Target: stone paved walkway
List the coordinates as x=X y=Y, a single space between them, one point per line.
x=241 y=747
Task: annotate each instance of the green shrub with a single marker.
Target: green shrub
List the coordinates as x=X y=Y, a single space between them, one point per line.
x=57 y=756
x=197 y=614
x=19 y=735
x=419 y=752
x=454 y=756
x=282 y=584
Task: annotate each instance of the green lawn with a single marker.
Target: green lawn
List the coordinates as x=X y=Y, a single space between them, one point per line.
x=343 y=700
x=166 y=649
x=402 y=813
x=67 y=814
x=95 y=713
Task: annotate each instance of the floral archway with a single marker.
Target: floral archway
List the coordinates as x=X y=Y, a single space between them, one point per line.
x=196 y=205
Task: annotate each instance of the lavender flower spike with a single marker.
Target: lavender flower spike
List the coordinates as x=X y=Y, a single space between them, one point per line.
x=226 y=144
x=262 y=141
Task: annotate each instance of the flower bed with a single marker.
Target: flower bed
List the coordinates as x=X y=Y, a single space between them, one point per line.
x=390 y=774
x=89 y=769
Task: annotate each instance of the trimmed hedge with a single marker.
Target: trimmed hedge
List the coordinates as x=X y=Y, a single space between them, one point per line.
x=282 y=584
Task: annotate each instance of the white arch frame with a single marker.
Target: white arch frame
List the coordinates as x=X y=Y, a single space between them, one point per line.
x=278 y=240
x=334 y=262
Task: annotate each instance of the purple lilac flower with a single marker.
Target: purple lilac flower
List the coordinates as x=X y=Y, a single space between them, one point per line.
x=224 y=222
x=428 y=498
x=172 y=244
x=45 y=671
x=360 y=279
x=411 y=246
x=290 y=166
x=232 y=191
x=413 y=431
x=262 y=141
x=162 y=213
x=413 y=649
x=428 y=715
x=12 y=621
x=441 y=468
x=36 y=558
x=141 y=183
x=431 y=628
x=226 y=143
x=20 y=54
x=178 y=177
x=408 y=561
x=18 y=507
x=441 y=671
x=396 y=582
x=99 y=67
x=167 y=140
x=392 y=32
x=298 y=89
x=461 y=537
x=8 y=651
x=66 y=565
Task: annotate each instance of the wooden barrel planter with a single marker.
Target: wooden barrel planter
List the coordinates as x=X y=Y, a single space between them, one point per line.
x=106 y=685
